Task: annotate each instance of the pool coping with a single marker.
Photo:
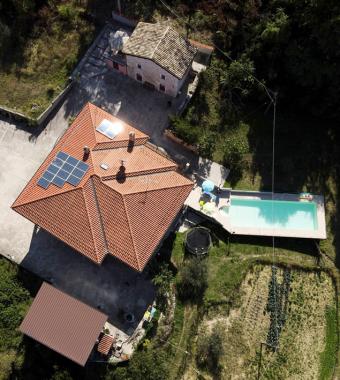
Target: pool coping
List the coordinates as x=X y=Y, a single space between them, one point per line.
x=227 y=194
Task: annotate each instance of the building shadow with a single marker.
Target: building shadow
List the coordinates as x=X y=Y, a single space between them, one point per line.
x=112 y=287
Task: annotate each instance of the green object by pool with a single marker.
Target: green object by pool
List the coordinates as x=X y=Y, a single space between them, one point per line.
x=258 y=213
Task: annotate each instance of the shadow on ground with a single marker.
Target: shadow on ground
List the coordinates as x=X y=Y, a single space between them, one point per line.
x=111 y=287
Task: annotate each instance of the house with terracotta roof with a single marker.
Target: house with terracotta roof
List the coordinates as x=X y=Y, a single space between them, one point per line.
x=159 y=57
x=105 y=190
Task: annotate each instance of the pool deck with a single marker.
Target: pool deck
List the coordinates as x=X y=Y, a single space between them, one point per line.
x=225 y=195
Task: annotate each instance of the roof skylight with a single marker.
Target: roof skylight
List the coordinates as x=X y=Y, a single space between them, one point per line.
x=110 y=129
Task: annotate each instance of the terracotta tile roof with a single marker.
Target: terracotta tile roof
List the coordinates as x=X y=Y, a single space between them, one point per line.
x=163 y=45
x=201 y=45
x=107 y=213
x=140 y=159
x=63 y=323
x=105 y=344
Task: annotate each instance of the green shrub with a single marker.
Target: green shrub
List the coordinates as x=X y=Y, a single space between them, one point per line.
x=206 y=144
x=210 y=350
x=184 y=130
x=162 y=281
x=50 y=92
x=144 y=365
x=192 y=280
x=69 y=12
x=234 y=149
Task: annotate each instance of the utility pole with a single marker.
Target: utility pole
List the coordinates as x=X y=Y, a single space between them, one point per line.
x=119 y=7
x=260 y=359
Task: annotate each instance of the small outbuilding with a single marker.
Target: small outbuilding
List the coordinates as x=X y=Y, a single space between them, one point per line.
x=63 y=323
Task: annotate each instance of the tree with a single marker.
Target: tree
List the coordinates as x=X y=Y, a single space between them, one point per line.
x=193 y=279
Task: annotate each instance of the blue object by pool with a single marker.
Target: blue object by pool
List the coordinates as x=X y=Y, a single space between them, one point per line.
x=208 y=185
x=211 y=195
x=257 y=213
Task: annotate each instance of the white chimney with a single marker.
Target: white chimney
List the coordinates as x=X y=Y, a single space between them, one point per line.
x=132 y=137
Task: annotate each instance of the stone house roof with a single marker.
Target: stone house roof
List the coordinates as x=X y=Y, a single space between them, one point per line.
x=163 y=45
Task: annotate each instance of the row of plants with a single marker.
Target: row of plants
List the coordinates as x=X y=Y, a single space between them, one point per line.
x=277 y=305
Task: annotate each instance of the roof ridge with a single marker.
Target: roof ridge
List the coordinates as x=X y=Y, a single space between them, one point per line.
x=90 y=221
x=140 y=173
x=160 y=40
x=99 y=214
x=89 y=104
x=131 y=234
x=159 y=188
x=155 y=149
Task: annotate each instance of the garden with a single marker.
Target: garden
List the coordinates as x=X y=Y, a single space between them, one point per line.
x=254 y=318
x=39 y=48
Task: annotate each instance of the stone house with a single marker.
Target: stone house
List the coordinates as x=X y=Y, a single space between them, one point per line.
x=159 y=57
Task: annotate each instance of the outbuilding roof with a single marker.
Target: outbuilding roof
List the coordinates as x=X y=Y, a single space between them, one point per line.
x=121 y=204
x=163 y=45
x=105 y=344
x=63 y=323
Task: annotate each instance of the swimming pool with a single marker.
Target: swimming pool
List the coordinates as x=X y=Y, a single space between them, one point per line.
x=259 y=213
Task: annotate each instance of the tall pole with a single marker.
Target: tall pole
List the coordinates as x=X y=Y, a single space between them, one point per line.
x=119 y=7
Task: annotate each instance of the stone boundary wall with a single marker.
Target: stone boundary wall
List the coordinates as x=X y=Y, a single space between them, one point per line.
x=41 y=119
x=14 y=115
x=169 y=134
x=56 y=102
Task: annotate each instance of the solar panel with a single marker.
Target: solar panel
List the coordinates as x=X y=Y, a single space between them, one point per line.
x=43 y=183
x=63 y=156
x=110 y=129
x=64 y=168
x=72 y=161
x=73 y=180
x=58 y=181
x=53 y=169
x=48 y=176
x=82 y=166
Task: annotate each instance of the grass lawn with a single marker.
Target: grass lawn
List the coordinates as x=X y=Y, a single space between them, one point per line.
x=36 y=69
x=328 y=355
x=238 y=275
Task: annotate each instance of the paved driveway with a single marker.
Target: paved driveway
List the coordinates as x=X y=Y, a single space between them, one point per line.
x=22 y=150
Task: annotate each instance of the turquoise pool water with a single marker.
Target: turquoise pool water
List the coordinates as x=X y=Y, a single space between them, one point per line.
x=253 y=213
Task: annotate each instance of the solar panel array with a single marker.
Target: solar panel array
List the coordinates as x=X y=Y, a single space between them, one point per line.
x=64 y=168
